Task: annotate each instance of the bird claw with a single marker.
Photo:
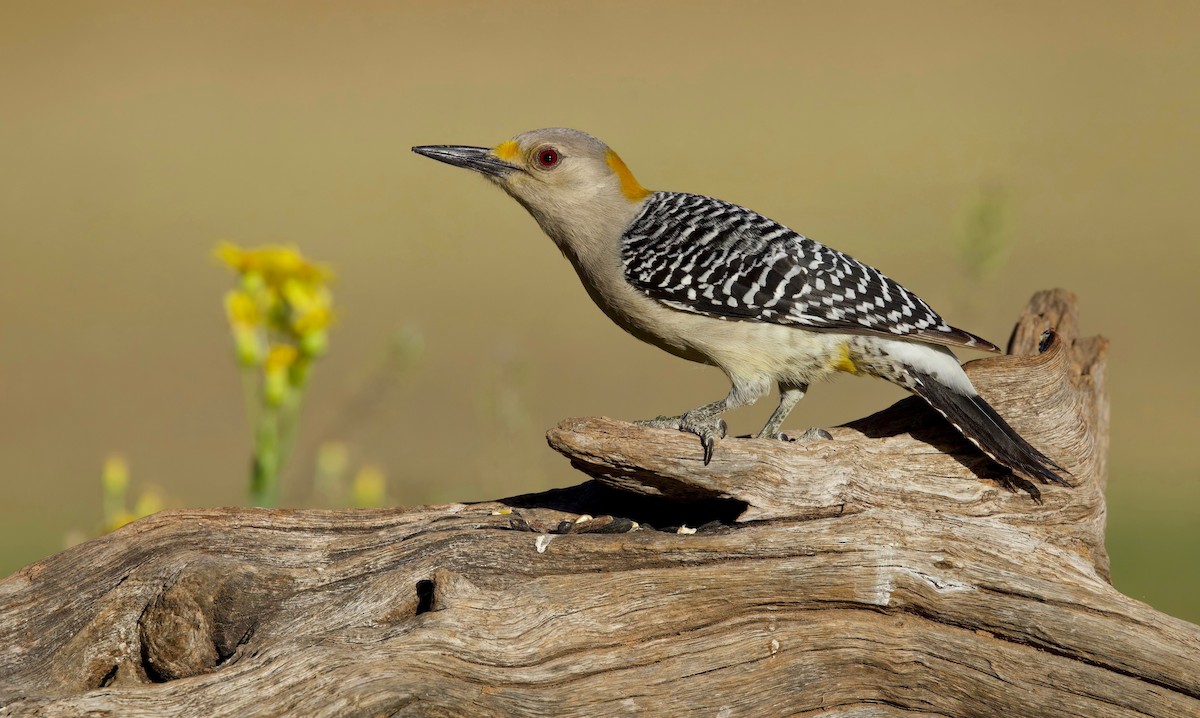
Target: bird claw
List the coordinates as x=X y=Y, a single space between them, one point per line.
x=813 y=434
x=810 y=435
x=708 y=442
x=777 y=435
x=708 y=428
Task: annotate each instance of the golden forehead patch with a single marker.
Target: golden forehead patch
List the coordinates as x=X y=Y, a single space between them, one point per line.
x=507 y=151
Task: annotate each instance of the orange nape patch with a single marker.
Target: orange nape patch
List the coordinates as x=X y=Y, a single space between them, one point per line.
x=630 y=187
x=507 y=151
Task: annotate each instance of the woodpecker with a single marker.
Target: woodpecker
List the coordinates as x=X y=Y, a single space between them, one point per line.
x=716 y=283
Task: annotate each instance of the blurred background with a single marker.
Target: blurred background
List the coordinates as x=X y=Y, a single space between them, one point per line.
x=975 y=152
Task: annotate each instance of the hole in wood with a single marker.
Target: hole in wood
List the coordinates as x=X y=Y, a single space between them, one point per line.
x=226 y=652
x=425 y=590
x=1045 y=341
x=597 y=499
x=152 y=671
x=109 y=677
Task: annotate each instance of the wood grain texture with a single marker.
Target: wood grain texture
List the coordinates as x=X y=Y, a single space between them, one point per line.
x=884 y=572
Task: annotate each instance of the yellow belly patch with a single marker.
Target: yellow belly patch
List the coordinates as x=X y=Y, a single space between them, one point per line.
x=842 y=361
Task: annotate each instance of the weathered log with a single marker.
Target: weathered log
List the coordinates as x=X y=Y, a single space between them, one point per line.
x=888 y=571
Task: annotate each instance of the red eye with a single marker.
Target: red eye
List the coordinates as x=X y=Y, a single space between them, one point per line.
x=547 y=157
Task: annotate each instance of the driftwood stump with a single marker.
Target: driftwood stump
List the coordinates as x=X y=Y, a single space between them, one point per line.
x=885 y=572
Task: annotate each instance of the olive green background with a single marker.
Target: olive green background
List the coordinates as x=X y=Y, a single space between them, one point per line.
x=134 y=136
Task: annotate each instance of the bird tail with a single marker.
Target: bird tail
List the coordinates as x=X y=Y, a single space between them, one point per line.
x=978 y=422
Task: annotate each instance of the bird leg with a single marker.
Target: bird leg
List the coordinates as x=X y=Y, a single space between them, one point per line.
x=706 y=421
x=789 y=395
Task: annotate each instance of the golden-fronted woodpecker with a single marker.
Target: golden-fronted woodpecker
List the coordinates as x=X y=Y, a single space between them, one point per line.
x=716 y=283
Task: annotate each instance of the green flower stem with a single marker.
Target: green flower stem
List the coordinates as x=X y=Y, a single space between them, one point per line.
x=250 y=394
x=290 y=408
x=274 y=437
x=267 y=461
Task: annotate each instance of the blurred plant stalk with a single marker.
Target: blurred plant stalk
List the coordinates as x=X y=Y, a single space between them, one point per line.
x=367 y=489
x=114 y=482
x=983 y=247
x=279 y=315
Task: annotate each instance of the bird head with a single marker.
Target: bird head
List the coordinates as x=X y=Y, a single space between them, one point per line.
x=567 y=179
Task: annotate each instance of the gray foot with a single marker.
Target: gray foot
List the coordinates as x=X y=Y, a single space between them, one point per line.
x=709 y=427
x=778 y=435
x=811 y=435
x=662 y=422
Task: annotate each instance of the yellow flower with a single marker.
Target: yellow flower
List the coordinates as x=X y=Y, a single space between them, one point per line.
x=245 y=322
x=115 y=478
x=280 y=291
x=309 y=306
x=118 y=520
x=276 y=380
x=241 y=309
x=369 y=488
x=281 y=357
x=150 y=501
x=274 y=263
x=115 y=482
x=314 y=343
x=332 y=458
x=249 y=346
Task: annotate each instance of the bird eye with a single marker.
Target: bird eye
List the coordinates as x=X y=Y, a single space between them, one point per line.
x=547 y=157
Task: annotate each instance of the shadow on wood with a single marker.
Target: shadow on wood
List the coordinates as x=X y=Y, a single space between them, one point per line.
x=887 y=571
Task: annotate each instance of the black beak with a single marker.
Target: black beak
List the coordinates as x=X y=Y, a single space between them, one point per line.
x=479 y=159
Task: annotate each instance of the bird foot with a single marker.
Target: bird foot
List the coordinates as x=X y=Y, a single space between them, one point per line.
x=709 y=427
x=812 y=434
x=661 y=422
x=777 y=435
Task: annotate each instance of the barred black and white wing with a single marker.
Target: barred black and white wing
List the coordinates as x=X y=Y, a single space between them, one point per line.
x=699 y=254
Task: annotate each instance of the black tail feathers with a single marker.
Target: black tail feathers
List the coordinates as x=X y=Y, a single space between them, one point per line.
x=978 y=421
